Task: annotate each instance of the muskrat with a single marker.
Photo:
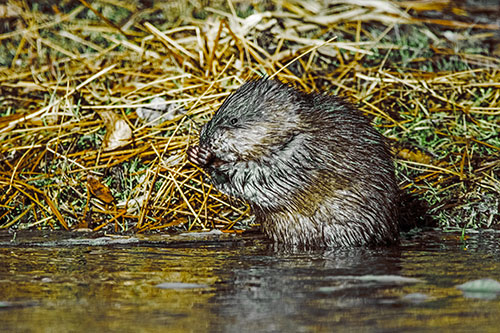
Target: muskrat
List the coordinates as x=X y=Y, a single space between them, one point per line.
x=312 y=168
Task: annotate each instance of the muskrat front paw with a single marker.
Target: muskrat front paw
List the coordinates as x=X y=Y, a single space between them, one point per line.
x=199 y=156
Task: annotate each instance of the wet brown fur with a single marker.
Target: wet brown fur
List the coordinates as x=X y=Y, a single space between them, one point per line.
x=311 y=166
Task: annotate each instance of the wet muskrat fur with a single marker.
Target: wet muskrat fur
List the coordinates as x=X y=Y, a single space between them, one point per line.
x=311 y=166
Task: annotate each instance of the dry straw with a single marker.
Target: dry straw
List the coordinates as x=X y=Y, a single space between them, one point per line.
x=80 y=146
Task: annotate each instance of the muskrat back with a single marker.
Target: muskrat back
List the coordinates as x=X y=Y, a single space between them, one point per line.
x=311 y=166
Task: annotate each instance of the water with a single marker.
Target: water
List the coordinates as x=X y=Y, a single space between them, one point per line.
x=70 y=283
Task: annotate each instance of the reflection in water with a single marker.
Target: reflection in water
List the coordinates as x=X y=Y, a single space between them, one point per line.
x=155 y=285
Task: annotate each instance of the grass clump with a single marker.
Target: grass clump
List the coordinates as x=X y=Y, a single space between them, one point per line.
x=83 y=83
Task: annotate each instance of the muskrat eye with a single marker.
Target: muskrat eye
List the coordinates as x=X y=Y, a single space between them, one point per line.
x=233 y=121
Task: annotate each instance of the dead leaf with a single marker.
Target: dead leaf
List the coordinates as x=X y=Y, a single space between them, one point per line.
x=415 y=156
x=118 y=132
x=159 y=111
x=99 y=190
x=10 y=10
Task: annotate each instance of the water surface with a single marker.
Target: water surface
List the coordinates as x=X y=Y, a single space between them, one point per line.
x=82 y=283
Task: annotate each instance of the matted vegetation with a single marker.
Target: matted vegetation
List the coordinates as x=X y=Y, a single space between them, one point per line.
x=82 y=83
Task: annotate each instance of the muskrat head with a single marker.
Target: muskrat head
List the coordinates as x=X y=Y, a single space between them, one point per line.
x=255 y=121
